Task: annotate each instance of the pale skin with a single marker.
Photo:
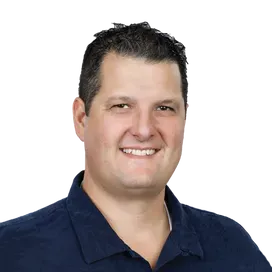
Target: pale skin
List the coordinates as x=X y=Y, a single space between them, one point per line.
x=139 y=106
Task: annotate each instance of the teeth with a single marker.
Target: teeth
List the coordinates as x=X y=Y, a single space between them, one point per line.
x=138 y=152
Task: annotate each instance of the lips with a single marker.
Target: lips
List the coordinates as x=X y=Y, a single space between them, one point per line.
x=146 y=156
x=139 y=148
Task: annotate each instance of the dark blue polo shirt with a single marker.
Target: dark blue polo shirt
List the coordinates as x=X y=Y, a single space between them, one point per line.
x=72 y=235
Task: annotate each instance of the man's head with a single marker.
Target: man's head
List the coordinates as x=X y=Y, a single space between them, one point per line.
x=132 y=99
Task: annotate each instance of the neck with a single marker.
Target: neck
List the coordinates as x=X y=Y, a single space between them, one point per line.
x=127 y=216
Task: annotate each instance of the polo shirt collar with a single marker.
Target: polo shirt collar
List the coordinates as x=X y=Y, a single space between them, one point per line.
x=98 y=240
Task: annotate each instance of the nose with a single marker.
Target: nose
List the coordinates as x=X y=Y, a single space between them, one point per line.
x=143 y=126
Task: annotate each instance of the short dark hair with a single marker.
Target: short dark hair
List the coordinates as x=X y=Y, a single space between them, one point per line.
x=136 y=40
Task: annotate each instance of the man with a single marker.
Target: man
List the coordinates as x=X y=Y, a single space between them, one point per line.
x=120 y=215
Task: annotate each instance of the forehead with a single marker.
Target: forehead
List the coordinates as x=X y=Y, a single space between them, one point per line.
x=130 y=74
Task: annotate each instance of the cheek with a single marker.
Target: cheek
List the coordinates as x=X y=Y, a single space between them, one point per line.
x=110 y=132
x=177 y=140
x=173 y=132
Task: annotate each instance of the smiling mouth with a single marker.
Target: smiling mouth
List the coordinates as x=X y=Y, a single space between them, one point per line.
x=139 y=153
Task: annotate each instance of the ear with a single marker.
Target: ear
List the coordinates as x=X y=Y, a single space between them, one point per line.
x=79 y=117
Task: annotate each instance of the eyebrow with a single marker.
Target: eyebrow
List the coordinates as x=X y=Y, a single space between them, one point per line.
x=128 y=99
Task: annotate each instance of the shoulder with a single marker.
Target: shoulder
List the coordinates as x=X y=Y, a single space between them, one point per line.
x=26 y=240
x=221 y=236
x=26 y=225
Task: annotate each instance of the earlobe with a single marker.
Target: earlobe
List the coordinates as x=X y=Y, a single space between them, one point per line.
x=77 y=120
x=76 y=135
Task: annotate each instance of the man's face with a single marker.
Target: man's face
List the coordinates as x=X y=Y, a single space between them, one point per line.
x=139 y=107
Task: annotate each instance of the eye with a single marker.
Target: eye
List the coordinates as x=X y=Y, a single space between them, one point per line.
x=121 y=106
x=126 y=106
x=165 y=108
